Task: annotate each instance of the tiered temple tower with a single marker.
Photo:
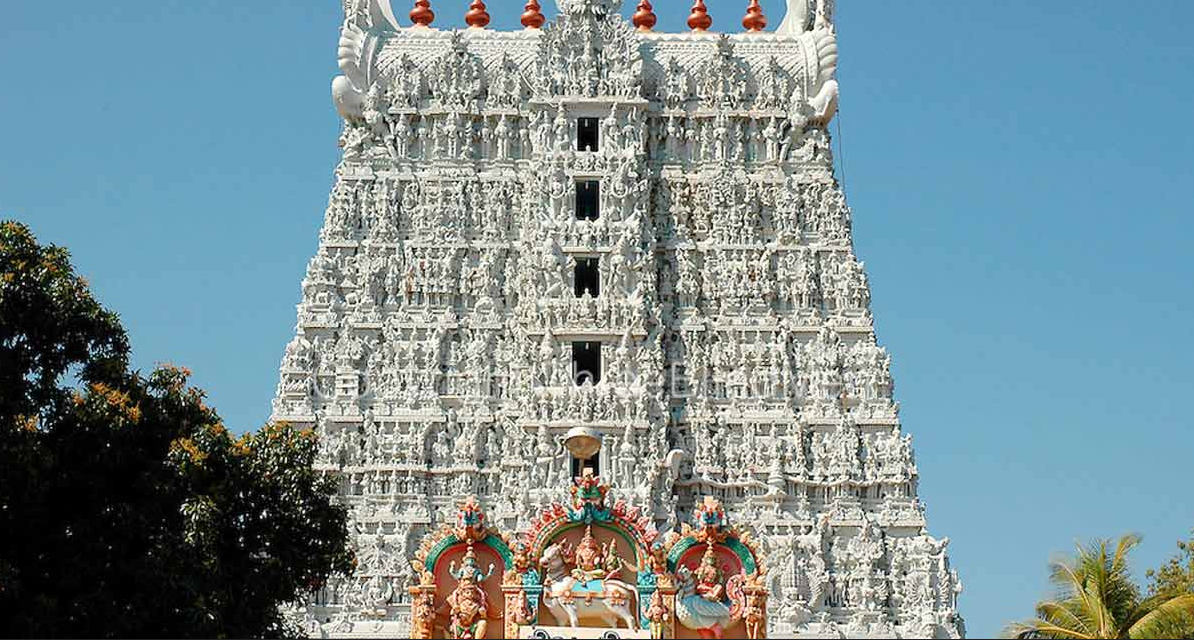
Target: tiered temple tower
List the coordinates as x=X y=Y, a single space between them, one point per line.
x=587 y=244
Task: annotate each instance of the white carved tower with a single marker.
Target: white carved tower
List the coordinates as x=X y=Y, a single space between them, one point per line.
x=591 y=235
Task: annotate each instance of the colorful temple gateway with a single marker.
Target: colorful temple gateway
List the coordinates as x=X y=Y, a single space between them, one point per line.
x=587 y=344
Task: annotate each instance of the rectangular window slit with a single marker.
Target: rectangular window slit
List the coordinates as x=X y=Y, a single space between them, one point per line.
x=586 y=363
x=586 y=134
x=588 y=198
x=588 y=277
x=579 y=466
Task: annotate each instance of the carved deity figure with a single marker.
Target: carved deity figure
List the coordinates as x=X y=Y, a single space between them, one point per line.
x=468 y=604
x=590 y=560
x=705 y=599
x=709 y=577
x=755 y=615
x=657 y=614
x=588 y=490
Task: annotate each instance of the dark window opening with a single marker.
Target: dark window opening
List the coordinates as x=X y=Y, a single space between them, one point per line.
x=579 y=466
x=586 y=134
x=588 y=197
x=586 y=362
x=588 y=277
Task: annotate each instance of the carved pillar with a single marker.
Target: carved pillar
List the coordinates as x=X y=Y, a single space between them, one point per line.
x=422 y=611
x=518 y=610
x=755 y=615
x=662 y=612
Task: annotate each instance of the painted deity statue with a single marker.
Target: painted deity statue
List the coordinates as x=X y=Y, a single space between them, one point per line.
x=588 y=559
x=468 y=604
x=657 y=614
x=591 y=588
x=588 y=490
x=470 y=521
x=594 y=561
x=707 y=603
x=709 y=577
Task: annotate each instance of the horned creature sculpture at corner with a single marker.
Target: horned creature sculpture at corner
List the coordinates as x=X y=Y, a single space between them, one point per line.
x=806 y=15
x=365 y=23
x=813 y=20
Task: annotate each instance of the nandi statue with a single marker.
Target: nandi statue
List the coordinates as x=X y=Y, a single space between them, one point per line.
x=592 y=588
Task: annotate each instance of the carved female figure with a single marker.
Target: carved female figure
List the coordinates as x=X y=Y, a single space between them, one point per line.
x=709 y=577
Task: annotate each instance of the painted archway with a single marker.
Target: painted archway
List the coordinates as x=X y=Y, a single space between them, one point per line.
x=460 y=569
x=589 y=566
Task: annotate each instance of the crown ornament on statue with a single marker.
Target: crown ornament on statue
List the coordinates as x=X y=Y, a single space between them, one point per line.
x=709 y=559
x=470 y=521
x=709 y=521
x=588 y=542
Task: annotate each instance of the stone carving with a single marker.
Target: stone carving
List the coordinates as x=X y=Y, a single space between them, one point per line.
x=434 y=352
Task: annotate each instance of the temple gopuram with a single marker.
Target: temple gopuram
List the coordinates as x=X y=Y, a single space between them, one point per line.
x=587 y=344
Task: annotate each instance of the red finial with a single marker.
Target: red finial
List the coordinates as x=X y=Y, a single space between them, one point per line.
x=477 y=16
x=645 y=18
x=422 y=15
x=754 y=20
x=532 y=16
x=699 y=19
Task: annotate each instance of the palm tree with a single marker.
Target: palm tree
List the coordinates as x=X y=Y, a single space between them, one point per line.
x=1097 y=598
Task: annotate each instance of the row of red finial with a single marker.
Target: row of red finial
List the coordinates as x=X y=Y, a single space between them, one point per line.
x=644 y=16
x=700 y=20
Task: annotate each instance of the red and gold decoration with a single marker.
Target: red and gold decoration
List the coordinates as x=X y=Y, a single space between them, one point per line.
x=532 y=15
x=468 y=603
x=719 y=577
x=477 y=15
x=456 y=595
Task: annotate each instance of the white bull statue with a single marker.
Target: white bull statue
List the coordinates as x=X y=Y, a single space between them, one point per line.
x=571 y=601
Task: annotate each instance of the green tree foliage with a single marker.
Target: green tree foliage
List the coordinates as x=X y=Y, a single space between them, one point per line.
x=1176 y=578
x=127 y=508
x=1097 y=598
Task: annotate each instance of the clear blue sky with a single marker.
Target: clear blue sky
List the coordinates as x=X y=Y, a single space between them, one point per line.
x=1020 y=173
